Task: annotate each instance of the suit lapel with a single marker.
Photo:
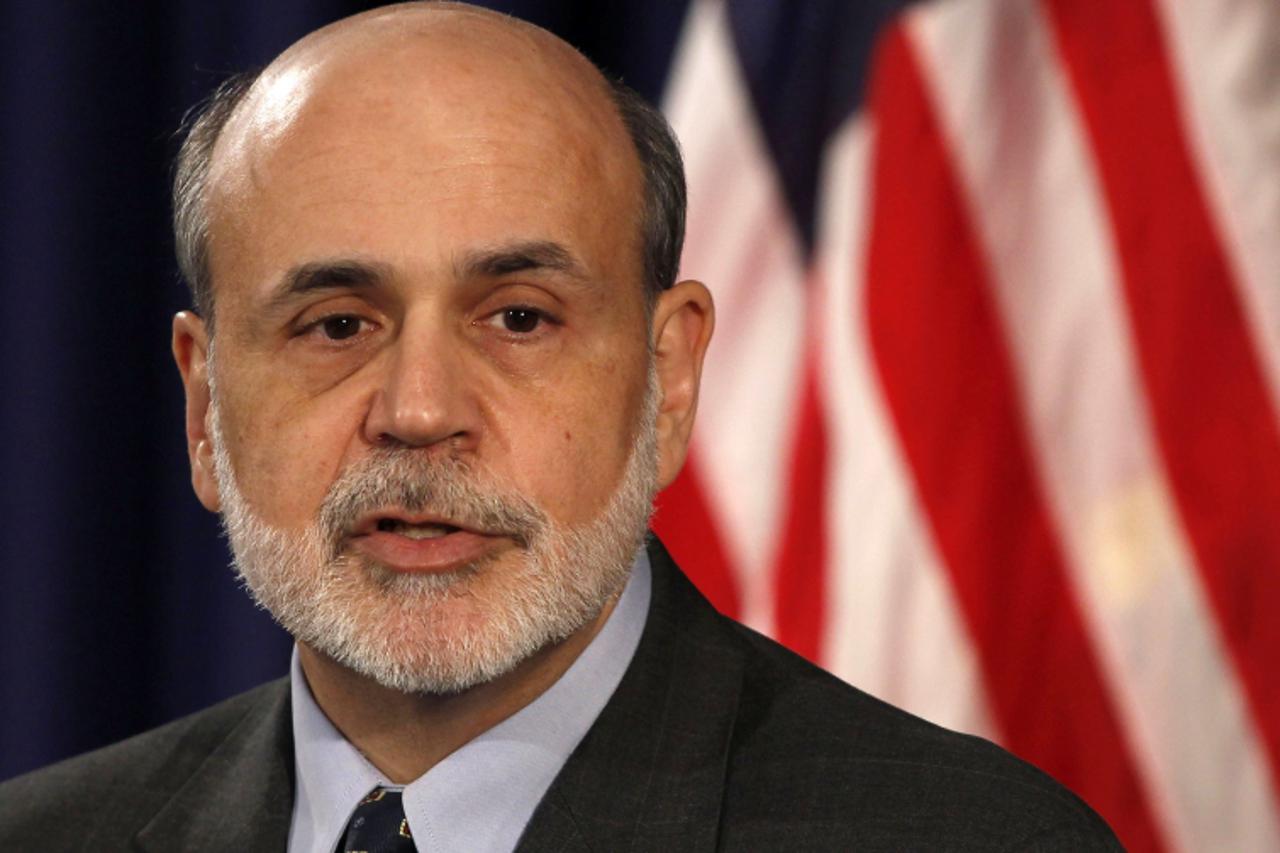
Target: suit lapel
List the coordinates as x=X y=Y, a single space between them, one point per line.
x=241 y=796
x=651 y=770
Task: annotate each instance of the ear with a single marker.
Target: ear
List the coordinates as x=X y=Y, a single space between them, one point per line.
x=191 y=352
x=683 y=320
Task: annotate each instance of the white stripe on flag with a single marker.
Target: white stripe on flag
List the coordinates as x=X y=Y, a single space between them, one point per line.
x=1022 y=154
x=742 y=242
x=893 y=626
x=1227 y=67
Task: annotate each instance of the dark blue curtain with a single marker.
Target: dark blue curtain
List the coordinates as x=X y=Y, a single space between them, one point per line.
x=117 y=609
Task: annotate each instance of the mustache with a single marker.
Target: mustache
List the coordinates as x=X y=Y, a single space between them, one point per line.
x=411 y=480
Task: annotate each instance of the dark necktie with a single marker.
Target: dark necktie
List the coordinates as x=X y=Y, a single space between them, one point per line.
x=378 y=826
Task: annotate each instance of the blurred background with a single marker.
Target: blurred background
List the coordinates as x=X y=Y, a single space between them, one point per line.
x=989 y=427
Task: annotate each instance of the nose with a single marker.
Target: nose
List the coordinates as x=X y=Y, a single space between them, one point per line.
x=424 y=397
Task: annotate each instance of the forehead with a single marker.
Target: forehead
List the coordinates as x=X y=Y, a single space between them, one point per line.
x=408 y=144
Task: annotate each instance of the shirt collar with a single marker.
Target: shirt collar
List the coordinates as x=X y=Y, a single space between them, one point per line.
x=480 y=796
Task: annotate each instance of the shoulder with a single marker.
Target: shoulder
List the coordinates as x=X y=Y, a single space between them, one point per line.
x=91 y=795
x=814 y=760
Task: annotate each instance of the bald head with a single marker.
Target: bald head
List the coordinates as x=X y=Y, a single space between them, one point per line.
x=428 y=63
x=436 y=85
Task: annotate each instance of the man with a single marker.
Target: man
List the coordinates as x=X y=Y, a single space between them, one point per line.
x=438 y=369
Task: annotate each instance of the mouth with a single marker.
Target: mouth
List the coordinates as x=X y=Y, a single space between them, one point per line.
x=415 y=530
x=412 y=543
x=411 y=525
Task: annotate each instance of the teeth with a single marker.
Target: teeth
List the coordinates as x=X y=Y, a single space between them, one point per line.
x=423 y=531
x=415 y=531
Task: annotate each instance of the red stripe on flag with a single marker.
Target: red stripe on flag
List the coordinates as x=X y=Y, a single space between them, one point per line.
x=948 y=382
x=683 y=522
x=1214 y=421
x=801 y=564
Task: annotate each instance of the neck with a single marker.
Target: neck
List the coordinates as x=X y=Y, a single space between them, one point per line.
x=406 y=734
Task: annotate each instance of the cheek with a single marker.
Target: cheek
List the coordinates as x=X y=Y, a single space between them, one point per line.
x=567 y=451
x=286 y=458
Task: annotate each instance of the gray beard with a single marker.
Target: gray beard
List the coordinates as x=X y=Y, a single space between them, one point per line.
x=438 y=634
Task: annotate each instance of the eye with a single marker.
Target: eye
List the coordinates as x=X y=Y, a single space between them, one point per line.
x=520 y=320
x=339 y=327
x=519 y=323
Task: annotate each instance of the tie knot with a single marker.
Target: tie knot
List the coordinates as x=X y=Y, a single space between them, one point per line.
x=378 y=825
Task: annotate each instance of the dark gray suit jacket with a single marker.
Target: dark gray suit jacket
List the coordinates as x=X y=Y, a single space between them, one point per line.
x=716 y=739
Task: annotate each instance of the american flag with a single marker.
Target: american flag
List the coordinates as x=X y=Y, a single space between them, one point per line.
x=989 y=426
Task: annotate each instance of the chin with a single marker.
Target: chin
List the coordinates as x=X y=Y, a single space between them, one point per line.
x=442 y=634
x=436 y=634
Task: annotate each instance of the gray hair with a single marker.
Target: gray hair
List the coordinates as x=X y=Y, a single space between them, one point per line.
x=202 y=125
x=662 y=216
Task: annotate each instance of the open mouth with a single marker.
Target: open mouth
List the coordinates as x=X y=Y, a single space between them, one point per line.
x=412 y=542
x=411 y=530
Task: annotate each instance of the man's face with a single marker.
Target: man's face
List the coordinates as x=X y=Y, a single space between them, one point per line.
x=428 y=282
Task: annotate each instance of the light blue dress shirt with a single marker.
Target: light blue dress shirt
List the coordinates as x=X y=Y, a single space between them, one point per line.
x=480 y=797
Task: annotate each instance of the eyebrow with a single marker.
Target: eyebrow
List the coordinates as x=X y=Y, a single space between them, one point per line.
x=344 y=274
x=524 y=256
x=356 y=274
